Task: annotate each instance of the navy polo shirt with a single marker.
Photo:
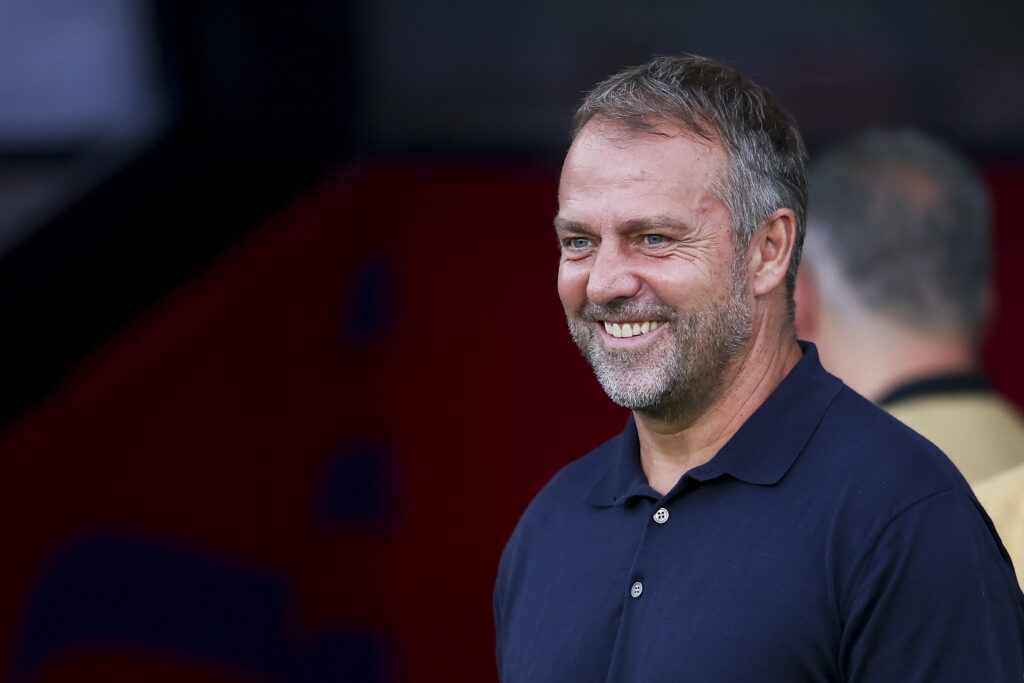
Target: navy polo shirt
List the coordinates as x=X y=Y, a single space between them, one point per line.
x=824 y=542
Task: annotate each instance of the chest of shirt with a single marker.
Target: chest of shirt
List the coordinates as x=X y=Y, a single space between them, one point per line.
x=718 y=583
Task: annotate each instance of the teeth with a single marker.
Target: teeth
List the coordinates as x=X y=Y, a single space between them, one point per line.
x=627 y=330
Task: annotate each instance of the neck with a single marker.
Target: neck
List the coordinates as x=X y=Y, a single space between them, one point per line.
x=874 y=359
x=671 y=446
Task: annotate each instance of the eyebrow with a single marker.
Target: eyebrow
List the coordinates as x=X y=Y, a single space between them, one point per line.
x=648 y=224
x=562 y=225
x=654 y=224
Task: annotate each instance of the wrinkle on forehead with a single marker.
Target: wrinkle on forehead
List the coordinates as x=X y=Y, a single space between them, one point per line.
x=603 y=130
x=604 y=133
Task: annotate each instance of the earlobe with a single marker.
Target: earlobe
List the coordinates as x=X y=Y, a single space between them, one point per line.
x=771 y=250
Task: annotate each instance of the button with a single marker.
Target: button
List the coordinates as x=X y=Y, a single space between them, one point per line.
x=636 y=590
x=661 y=516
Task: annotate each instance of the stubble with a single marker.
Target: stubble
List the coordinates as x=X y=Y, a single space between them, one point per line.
x=678 y=376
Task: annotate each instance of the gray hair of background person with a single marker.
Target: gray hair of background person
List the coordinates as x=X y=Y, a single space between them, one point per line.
x=767 y=159
x=900 y=230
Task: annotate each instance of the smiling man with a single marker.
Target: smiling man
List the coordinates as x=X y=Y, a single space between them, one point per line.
x=756 y=520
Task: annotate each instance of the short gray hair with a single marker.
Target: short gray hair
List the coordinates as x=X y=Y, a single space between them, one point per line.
x=767 y=159
x=902 y=220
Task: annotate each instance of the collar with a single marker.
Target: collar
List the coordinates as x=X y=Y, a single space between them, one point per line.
x=760 y=452
x=953 y=383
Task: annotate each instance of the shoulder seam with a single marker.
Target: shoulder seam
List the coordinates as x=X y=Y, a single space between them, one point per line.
x=862 y=563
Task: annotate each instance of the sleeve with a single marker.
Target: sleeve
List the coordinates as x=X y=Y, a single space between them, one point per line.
x=934 y=600
x=500 y=599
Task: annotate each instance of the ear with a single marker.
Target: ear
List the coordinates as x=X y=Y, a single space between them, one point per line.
x=770 y=250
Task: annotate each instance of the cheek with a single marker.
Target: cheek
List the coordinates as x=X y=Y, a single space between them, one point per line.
x=572 y=284
x=681 y=286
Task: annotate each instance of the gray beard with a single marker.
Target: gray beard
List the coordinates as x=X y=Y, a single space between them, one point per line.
x=668 y=384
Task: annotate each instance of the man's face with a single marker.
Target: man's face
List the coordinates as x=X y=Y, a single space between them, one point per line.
x=647 y=270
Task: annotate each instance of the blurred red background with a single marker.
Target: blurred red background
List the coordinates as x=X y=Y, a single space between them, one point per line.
x=304 y=463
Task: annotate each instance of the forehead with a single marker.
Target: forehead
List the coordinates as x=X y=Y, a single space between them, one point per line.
x=611 y=170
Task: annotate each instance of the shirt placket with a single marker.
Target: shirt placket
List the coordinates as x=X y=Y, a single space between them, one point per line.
x=637 y=592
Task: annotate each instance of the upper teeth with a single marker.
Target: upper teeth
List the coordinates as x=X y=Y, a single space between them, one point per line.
x=630 y=329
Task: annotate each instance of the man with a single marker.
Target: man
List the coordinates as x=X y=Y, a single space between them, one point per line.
x=1002 y=495
x=756 y=520
x=896 y=289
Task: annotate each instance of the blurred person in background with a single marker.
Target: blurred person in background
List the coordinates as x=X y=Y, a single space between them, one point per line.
x=1003 y=497
x=896 y=288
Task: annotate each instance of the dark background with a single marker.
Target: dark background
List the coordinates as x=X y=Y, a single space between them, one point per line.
x=282 y=356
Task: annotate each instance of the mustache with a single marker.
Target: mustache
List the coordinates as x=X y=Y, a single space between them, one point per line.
x=625 y=309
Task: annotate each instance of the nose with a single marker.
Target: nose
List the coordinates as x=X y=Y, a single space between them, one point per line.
x=612 y=276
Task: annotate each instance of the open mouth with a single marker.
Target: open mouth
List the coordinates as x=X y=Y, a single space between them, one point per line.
x=630 y=329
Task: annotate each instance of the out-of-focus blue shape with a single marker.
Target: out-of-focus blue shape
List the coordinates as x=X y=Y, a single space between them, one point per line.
x=368 y=304
x=74 y=72
x=357 y=487
x=128 y=595
x=342 y=655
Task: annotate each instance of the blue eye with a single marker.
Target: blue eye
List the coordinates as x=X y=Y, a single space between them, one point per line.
x=654 y=240
x=579 y=242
